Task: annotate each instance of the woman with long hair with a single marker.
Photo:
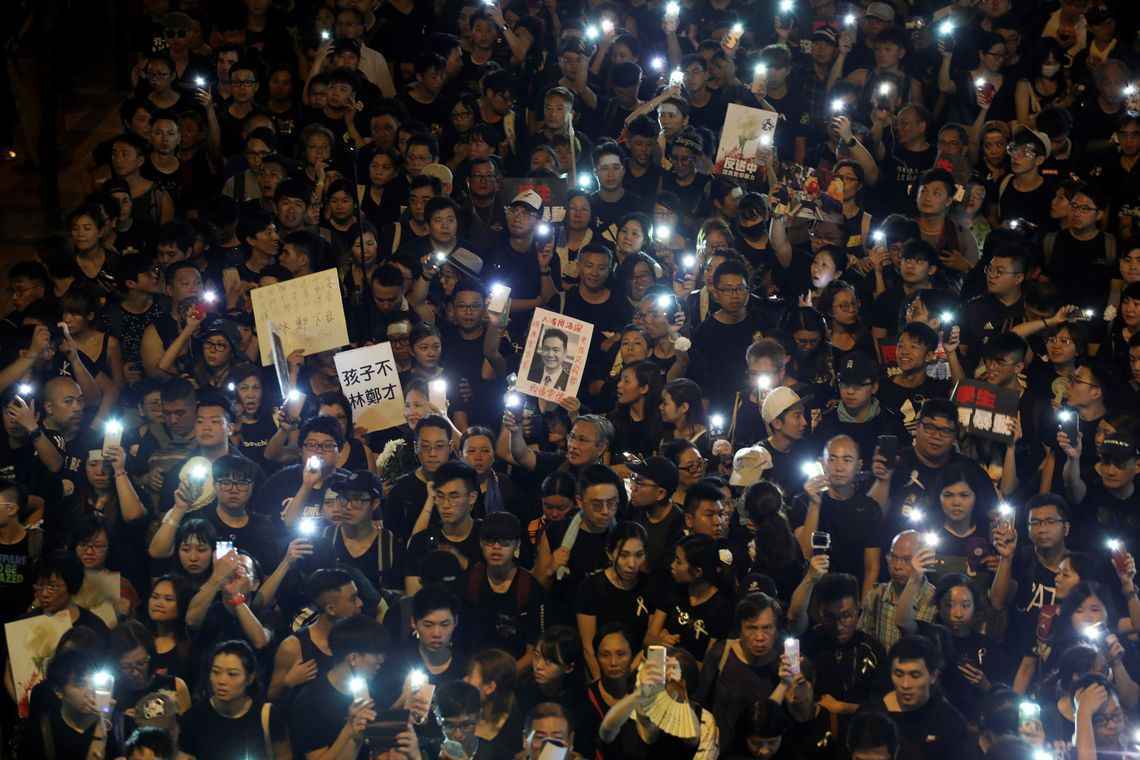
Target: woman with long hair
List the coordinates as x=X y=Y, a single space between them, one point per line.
x=811 y=362
x=166 y=617
x=493 y=673
x=702 y=613
x=230 y=719
x=427 y=352
x=632 y=235
x=556 y=675
x=99 y=349
x=108 y=494
x=682 y=409
x=617 y=595
x=579 y=225
x=132 y=652
x=380 y=199
x=1046 y=83
x=637 y=416
x=636 y=274
x=108 y=594
x=196 y=540
x=839 y=303
x=966 y=497
x=771 y=546
x=1087 y=615
x=253 y=413
x=613 y=653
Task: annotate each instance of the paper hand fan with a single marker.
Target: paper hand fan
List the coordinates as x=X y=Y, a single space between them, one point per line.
x=669 y=708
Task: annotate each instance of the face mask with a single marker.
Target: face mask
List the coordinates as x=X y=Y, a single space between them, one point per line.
x=1050 y=70
x=755 y=232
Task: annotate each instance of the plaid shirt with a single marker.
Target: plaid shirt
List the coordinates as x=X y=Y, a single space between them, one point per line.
x=878 y=618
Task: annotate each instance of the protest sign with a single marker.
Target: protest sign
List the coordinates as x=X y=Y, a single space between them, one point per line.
x=371 y=383
x=555 y=356
x=746 y=144
x=307 y=313
x=550 y=189
x=31 y=645
x=986 y=410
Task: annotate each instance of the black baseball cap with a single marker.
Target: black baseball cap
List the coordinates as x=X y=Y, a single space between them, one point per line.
x=1118 y=447
x=500 y=526
x=360 y=481
x=658 y=469
x=858 y=369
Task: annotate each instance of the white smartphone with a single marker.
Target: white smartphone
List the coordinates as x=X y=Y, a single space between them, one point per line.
x=112 y=434
x=437 y=394
x=552 y=751
x=657 y=656
x=500 y=294
x=222 y=548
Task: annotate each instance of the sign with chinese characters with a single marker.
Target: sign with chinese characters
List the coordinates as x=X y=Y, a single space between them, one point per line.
x=985 y=410
x=746 y=144
x=371 y=383
x=307 y=312
x=555 y=356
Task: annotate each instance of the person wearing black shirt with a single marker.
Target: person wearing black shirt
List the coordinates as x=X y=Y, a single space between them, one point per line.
x=612 y=201
x=19 y=551
x=848 y=661
x=790 y=103
x=1107 y=495
x=859 y=413
x=930 y=728
x=476 y=355
x=422 y=100
x=700 y=613
x=654 y=481
x=783 y=413
x=1024 y=194
x=1000 y=309
x=918 y=263
x=504 y=601
x=706 y=107
x=834 y=506
x=524 y=264
x=718 y=360
x=904 y=153
x=683 y=179
x=1081 y=258
x=331 y=712
x=907 y=391
x=75 y=729
x=591 y=300
x=452 y=494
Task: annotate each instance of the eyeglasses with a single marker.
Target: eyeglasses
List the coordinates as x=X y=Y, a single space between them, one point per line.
x=451 y=498
x=696 y=466
x=458 y=725
x=139 y=666
x=86 y=546
x=1044 y=522
x=324 y=448
x=1082 y=208
x=998 y=271
x=1079 y=381
x=468 y=306
x=354 y=498
x=506 y=542
x=216 y=345
x=1112 y=717
x=738 y=290
x=242 y=82
x=233 y=484
x=938 y=430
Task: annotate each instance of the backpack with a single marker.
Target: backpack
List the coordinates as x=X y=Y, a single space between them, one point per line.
x=524 y=585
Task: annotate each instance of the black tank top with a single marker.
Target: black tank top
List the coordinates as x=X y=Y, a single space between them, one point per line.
x=310 y=651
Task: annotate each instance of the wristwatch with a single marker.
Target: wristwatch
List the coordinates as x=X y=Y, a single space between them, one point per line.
x=850 y=143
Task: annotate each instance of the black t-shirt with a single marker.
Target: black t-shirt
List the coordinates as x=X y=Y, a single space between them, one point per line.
x=259 y=536
x=1102 y=513
x=934 y=731
x=796 y=110
x=509 y=620
x=908 y=401
x=404 y=503
x=15 y=579
x=849 y=671
x=717 y=363
x=787 y=466
x=205 y=733
x=433 y=114
x=698 y=624
x=587 y=556
x=427 y=541
x=853 y=525
x=464 y=359
x=599 y=597
x=899 y=172
x=1033 y=206
x=316 y=716
x=607 y=212
x=984 y=317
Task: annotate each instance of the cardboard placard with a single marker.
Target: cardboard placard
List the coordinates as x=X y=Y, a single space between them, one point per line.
x=307 y=313
x=371 y=383
x=555 y=356
x=747 y=144
x=986 y=410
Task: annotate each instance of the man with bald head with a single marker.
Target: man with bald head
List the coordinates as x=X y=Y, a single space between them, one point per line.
x=879 y=603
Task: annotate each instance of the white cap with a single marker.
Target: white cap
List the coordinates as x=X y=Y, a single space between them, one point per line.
x=529 y=198
x=778 y=401
x=749 y=465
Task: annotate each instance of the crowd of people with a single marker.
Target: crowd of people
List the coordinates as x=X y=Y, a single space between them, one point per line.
x=759 y=518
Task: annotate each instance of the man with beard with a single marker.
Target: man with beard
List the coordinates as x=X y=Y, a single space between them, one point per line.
x=848 y=660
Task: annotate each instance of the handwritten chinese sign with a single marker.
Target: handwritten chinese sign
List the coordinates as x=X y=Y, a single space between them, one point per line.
x=555 y=356
x=307 y=312
x=986 y=410
x=371 y=383
x=746 y=142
